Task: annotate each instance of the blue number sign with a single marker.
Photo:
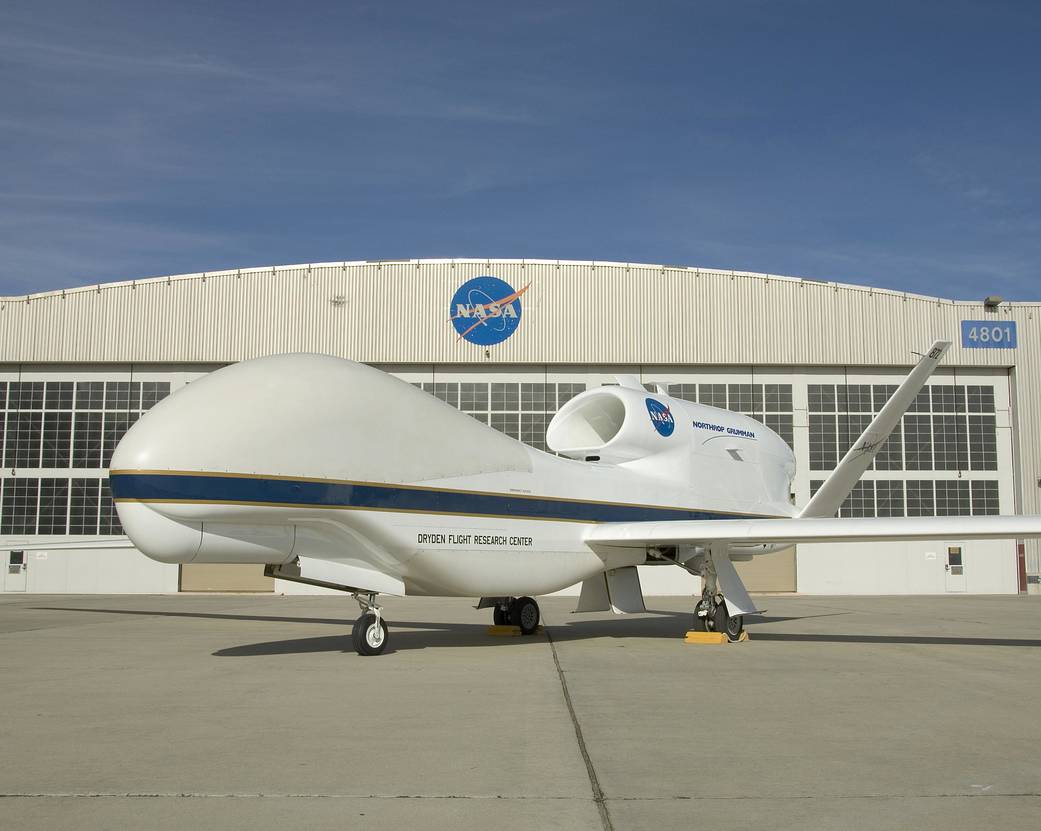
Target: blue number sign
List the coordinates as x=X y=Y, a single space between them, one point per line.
x=988 y=334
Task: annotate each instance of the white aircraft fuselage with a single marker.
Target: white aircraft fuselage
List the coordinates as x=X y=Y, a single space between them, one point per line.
x=311 y=456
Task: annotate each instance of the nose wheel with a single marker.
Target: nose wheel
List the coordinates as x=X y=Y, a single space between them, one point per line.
x=369 y=634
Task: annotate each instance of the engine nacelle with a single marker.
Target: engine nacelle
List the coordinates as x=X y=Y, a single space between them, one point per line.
x=615 y=424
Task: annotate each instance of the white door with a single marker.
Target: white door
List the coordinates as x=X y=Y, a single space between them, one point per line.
x=14 y=580
x=955 y=569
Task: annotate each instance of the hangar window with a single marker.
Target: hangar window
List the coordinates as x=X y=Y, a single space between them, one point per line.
x=854 y=398
x=22 y=442
x=473 y=398
x=505 y=397
x=686 y=392
x=980 y=399
x=985 y=496
x=122 y=395
x=86 y=440
x=821 y=398
x=920 y=498
x=90 y=395
x=19 y=506
x=778 y=398
x=823 y=442
x=83 y=506
x=950 y=443
x=58 y=395
x=918 y=445
x=952 y=497
x=983 y=443
x=508 y=423
x=533 y=429
x=783 y=425
x=948 y=398
x=152 y=392
x=25 y=395
x=880 y=394
x=108 y=520
x=57 y=439
x=54 y=506
x=565 y=392
x=3 y=395
x=861 y=500
x=889 y=497
x=714 y=395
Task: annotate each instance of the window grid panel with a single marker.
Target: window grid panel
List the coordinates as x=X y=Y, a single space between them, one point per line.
x=533 y=429
x=985 y=497
x=920 y=500
x=122 y=395
x=777 y=398
x=565 y=392
x=783 y=425
x=980 y=399
x=83 y=506
x=714 y=395
x=473 y=397
x=57 y=440
x=821 y=398
x=505 y=398
x=533 y=398
x=508 y=423
x=25 y=395
x=952 y=498
x=86 y=440
x=854 y=398
x=152 y=392
x=20 y=506
x=24 y=439
x=90 y=395
x=918 y=447
x=889 y=497
x=58 y=395
x=3 y=395
x=861 y=500
x=108 y=519
x=54 y=506
x=116 y=425
x=983 y=442
x=823 y=442
x=950 y=443
x=890 y=455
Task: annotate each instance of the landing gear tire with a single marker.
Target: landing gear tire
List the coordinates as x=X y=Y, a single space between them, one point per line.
x=524 y=612
x=369 y=635
x=732 y=627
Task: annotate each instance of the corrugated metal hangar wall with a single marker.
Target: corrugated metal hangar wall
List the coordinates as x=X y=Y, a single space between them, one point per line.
x=721 y=337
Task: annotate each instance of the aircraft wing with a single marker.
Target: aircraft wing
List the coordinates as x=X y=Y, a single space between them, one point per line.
x=737 y=532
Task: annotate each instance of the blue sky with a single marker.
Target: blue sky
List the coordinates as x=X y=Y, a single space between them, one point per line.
x=889 y=144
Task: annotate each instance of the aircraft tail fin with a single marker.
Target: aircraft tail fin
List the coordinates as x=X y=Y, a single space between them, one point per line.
x=838 y=485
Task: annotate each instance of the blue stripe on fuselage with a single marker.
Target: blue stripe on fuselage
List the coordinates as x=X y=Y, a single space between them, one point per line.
x=158 y=487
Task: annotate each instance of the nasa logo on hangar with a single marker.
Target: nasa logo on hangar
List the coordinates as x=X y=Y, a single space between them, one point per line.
x=661 y=417
x=486 y=310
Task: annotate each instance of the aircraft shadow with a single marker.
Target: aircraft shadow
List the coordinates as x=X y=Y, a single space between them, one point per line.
x=407 y=635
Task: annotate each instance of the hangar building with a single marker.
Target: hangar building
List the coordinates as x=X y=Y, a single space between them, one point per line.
x=812 y=360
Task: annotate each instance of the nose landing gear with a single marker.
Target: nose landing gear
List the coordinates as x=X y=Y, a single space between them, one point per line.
x=369 y=634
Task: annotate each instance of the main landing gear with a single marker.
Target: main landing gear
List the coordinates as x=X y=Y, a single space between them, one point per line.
x=369 y=634
x=711 y=615
x=517 y=611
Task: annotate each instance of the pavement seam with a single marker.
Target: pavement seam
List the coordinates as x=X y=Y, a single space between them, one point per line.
x=594 y=782
x=684 y=798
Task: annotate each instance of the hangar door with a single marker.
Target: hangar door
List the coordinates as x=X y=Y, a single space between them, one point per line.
x=769 y=572
x=222 y=577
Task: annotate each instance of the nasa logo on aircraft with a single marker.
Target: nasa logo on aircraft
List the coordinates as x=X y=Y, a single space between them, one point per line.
x=661 y=417
x=486 y=310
